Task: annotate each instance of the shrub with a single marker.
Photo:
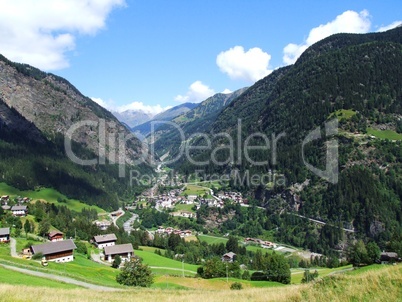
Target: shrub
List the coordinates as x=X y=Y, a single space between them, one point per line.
x=246 y=275
x=236 y=286
x=258 y=276
x=134 y=273
x=37 y=256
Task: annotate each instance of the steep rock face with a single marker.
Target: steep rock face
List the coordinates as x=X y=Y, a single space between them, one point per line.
x=14 y=122
x=54 y=106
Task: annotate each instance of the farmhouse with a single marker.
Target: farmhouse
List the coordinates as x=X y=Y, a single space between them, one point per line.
x=19 y=210
x=102 y=241
x=229 y=257
x=4 y=234
x=55 y=236
x=389 y=257
x=125 y=251
x=59 y=251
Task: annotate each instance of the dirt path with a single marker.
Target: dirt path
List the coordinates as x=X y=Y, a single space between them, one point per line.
x=13 y=247
x=60 y=278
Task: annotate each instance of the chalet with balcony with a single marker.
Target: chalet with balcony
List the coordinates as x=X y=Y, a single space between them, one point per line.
x=59 y=251
x=55 y=236
x=19 y=210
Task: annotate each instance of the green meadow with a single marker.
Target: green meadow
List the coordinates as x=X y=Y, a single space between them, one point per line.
x=385 y=134
x=48 y=195
x=195 y=190
x=13 y=277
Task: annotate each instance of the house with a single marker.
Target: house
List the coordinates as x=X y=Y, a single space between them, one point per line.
x=102 y=241
x=6 y=207
x=125 y=251
x=4 y=235
x=103 y=225
x=389 y=257
x=229 y=257
x=55 y=236
x=19 y=210
x=59 y=251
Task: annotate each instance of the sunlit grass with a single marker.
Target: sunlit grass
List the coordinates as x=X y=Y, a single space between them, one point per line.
x=48 y=195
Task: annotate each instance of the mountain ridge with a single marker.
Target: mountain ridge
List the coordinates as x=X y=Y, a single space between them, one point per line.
x=49 y=130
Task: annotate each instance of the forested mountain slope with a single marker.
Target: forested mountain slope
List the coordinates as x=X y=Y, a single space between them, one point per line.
x=38 y=111
x=356 y=79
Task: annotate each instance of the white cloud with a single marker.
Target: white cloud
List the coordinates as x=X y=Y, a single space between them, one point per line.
x=347 y=22
x=40 y=32
x=227 y=91
x=196 y=93
x=251 y=65
x=135 y=106
x=390 y=26
x=102 y=103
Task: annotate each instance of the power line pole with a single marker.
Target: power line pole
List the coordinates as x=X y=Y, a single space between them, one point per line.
x=227 y=276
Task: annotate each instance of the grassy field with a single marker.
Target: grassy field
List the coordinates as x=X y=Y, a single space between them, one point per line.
x=297 y=274
x=385 y=134
x=166 y=264
x=17 y=278
x=209 y=284
x=382 y=284
x=212 y=239
x=195 y=190
x=343 y=113
x=48 y=195
x=184 y=207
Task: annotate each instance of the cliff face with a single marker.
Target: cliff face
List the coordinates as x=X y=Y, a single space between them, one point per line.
x=55 y=106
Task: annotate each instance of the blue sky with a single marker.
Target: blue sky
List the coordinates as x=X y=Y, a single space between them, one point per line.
x=151 y=54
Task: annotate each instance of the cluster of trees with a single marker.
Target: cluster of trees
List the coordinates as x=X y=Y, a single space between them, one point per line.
x=360 y=253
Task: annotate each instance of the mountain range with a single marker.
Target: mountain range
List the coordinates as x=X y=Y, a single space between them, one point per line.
x=52 y=135
x=132 y=118
x=145 y=129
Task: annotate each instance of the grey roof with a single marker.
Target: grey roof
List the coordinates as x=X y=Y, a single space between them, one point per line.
x=389 y=254
x=4 y=231
x=54 y=247
x=53 y=233
x=19 y=208
x=105 y=238
x=119 y=249
x=230 y=254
